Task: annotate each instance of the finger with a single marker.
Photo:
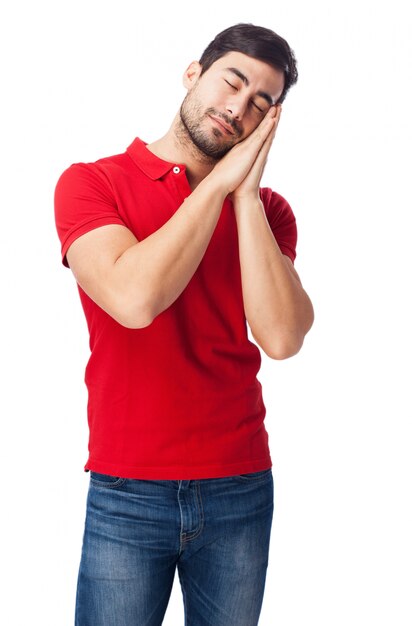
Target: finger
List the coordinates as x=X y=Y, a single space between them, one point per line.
x=272 y=132
x=263 y=151
x=257 y=138
x=265 y=126
x=262 y=155
x=274 y=111
x=270 y=121
x=267 y=143
x=278 y=108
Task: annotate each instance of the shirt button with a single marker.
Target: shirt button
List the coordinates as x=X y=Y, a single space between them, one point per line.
x=176 y=169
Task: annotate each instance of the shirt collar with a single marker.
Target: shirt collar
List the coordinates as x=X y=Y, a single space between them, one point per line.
x=149 y=163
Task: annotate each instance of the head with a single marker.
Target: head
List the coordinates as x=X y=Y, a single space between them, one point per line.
x=244 y=71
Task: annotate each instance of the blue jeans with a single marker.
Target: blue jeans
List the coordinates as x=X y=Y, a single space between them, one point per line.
x=216 y=531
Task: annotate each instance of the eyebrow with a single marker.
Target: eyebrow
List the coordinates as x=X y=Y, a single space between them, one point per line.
x=245 y=80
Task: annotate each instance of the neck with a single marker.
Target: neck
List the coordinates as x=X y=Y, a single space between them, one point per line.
x=177 y=147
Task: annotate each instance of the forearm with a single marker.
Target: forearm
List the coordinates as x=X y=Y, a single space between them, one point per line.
x=155 y=271
x=277 y=308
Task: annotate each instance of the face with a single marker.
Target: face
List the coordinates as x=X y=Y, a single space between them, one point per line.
x=226 y=103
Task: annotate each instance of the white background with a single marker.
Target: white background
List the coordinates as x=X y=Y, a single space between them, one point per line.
x=80 y=80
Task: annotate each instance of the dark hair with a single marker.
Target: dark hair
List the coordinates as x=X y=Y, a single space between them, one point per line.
x=257 y=42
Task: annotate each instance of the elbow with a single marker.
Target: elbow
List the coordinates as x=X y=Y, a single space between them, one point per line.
x=134 y=323
x=283 y=350
x=285 y=338
x=281 y=347
x=140 y=313
x=288 y=343
x=134 y=315
x=285 y=344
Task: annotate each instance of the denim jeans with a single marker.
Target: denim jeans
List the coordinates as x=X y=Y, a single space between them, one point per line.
x=215 y=531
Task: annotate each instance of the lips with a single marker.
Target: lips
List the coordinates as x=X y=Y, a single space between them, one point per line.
x=223 y=124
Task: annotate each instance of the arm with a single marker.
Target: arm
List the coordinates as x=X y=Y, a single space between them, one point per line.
x=277 y=308
x=134 y=281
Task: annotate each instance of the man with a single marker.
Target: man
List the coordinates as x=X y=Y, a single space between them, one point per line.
x=174 y=246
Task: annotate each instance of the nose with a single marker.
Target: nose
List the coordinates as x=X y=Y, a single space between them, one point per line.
x=236 y=107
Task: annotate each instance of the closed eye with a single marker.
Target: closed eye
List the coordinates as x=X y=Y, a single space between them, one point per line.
x=258 y=108
x=236 y=89
x=230 y=84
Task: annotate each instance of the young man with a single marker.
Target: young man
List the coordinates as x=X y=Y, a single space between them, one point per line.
x=174 y=246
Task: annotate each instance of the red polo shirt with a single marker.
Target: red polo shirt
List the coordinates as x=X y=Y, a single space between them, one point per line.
x=178 y=399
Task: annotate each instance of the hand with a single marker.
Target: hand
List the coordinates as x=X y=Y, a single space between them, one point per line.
x=247 y=155
x=249 y=187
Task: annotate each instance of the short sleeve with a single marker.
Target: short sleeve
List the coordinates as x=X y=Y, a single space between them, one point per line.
x=83 y=200
x=281 y=221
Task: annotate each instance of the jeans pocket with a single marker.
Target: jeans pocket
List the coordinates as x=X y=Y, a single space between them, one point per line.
x=106 y=481
x=253 y=476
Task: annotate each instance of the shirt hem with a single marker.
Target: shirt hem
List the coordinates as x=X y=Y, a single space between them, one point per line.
x=178 y=472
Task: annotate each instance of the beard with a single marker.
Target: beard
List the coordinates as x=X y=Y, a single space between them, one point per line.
x=210 y=142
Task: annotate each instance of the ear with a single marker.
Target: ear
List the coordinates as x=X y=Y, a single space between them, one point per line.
x=191 y=74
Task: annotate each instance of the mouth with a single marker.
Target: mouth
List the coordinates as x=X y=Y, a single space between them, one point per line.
x=225 y=127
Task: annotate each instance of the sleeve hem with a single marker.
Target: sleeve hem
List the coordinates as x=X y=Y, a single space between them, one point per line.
x=82 y=229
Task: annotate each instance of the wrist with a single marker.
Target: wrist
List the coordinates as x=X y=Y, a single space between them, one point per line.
x=246 y=200
x=213 y=185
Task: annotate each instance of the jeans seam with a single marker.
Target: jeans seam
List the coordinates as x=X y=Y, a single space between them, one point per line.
x=186 y=537
x=197 y=532
x=252 y=479
x=100 y=483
